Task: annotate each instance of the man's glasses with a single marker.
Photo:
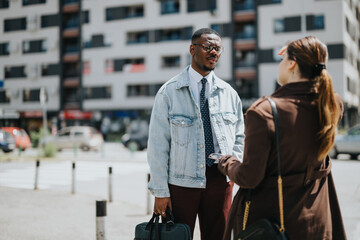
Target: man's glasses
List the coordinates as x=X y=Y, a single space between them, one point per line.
x=208 y=48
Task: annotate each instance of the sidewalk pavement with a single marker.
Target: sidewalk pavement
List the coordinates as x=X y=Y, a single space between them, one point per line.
x=47 y=214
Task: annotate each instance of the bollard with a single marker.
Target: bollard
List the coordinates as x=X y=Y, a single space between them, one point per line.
x=36 y=174
x=73 y=178
x=20 y=150
x=148 y=198
x=110 y=184
x=101 y=220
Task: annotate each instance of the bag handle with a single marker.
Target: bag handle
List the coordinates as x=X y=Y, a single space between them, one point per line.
x=150 y=226
x=279 y=181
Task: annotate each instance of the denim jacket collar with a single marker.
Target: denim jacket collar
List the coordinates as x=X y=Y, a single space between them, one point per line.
x=184 y=81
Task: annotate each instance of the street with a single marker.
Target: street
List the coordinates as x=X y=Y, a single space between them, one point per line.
x=129 y=179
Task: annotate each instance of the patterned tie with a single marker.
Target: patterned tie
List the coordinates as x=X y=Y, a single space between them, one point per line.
x=205 y=116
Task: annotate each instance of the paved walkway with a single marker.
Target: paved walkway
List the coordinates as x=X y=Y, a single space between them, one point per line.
x=47 y=214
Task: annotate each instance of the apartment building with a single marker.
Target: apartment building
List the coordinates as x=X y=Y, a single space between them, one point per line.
x=98 y=59
x=107 y=59
x=335 y=22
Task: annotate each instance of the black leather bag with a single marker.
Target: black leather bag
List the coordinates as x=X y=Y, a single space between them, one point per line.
x=154 y=230
x=262 y=229
x=265 y=229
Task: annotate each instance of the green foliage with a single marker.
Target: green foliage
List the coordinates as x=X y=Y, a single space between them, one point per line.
x=49 y=150
x=35 y=137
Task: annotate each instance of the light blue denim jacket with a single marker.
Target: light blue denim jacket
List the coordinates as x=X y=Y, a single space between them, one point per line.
x=176 y=152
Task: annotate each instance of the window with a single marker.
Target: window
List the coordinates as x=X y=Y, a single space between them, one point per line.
x=246 y=59
x=5 y=96
x=85 y=16
x=31 y=95
x=137 y=37
x=50 y=20
x=34 y=46
x=15 y=24
x=288 y=24
x=172 y=34
x=170 y=6
x=4 y=49
x=4 y=4
x=245 y=30
x=31 y=2
x=117 y=13
x=171 y=61
x=50 y=69
x=225 y=29
x=15 y=72
x=71 y=21
x=96 y=41
x=127 y=65
x=201 y=5
x=143 y=90
x=315 y=22
x=98 y=92
x=245 y=87
x=244 y=5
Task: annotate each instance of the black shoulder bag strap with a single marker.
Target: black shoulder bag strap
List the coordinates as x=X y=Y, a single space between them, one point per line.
x=280 y=187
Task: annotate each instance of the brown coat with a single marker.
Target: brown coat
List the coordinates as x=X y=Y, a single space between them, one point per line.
x=311 y=207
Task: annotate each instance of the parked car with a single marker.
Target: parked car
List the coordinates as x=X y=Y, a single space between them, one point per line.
x=22 y=139
x=7 y=141
x=137 y=135
x=82 y=137
x=348 y=143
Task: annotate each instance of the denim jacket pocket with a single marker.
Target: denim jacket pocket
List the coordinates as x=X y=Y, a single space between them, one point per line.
x=180 y=127
x=229 y=118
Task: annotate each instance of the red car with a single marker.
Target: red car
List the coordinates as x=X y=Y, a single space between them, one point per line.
x=21 y=137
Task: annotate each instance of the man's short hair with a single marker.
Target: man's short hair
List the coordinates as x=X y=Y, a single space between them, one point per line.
x=197 y=34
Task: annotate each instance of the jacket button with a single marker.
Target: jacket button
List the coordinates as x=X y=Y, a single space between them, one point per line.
x=201 y=165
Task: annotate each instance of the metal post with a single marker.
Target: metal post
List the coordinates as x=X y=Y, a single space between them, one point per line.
x=36 y=174
x=110 y=184
x=73 y=178
x=43 y=99
x=148 y=198
x=101 y=220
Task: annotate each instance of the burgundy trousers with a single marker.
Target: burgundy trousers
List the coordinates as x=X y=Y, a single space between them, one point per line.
x=211 y=204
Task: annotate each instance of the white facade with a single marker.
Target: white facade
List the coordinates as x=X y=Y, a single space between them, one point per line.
x=33 y=61
x=115 y=33
x=334 y=32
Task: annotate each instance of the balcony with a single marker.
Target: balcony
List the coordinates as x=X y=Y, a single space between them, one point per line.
x=247 y=73
x=244 y=11
x=72 y=82
x=71 y=6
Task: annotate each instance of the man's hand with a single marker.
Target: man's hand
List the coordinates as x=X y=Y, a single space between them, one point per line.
x=161 y=204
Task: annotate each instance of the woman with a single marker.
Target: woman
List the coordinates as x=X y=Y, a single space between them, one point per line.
x=308 y=113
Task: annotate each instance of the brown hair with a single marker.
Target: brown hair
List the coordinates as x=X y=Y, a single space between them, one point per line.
x=311 y=55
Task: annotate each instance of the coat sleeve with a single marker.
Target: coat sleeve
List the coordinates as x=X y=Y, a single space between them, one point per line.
x=251 y=171
x=159 y=146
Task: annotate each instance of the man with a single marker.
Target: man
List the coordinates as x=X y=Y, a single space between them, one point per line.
x=195 y=114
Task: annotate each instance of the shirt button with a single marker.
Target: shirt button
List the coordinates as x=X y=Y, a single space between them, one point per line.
x=199 y=126
x=201 y=146
x=201 y=166
x=201 y=184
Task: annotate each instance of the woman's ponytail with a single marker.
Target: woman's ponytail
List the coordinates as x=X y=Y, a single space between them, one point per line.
x=328 y=113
